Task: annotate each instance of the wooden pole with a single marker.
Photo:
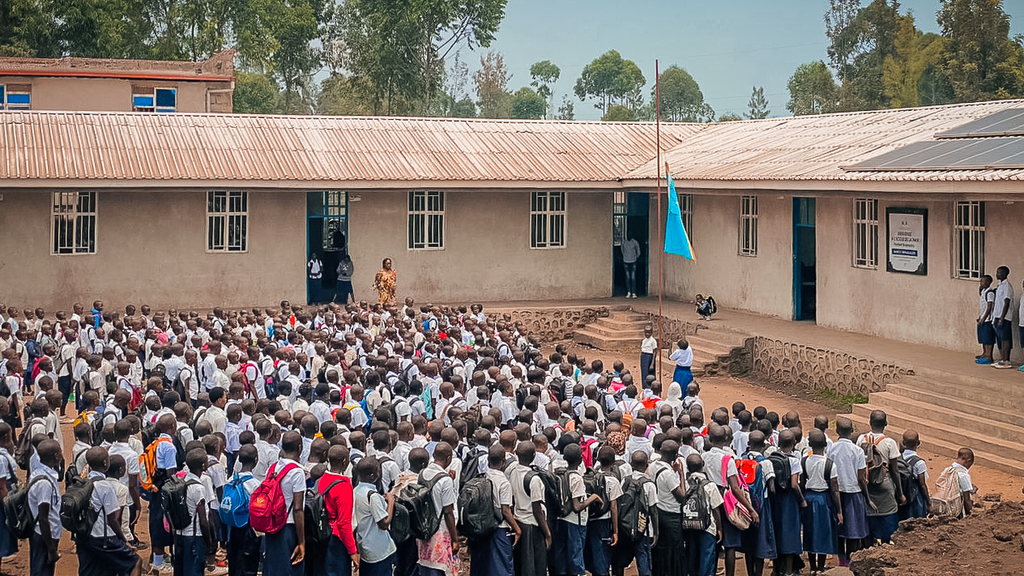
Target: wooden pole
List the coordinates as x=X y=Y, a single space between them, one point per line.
x=661 y=227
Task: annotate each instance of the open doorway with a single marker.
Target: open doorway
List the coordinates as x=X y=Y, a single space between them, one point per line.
x=805 y=276
x=630 y=213
x=327 y=238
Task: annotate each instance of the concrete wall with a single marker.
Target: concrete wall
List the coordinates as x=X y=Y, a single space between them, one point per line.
x=762 y=283
x=111 y=94
x=487 y=252
x=151 y=248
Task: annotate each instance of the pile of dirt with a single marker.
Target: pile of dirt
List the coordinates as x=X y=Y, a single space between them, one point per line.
x=989 y=542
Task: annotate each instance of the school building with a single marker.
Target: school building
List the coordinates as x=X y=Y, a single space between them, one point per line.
x=875 y=222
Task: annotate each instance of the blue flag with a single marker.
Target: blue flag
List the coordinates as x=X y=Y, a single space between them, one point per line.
x=676 y=240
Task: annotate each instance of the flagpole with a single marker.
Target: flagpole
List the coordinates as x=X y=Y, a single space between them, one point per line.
x=661 y=232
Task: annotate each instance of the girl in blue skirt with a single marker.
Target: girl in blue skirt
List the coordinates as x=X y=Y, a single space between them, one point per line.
x=788 y=502
x=759 y=540
x=683 y=357
x=8 y=480
x=823 y=512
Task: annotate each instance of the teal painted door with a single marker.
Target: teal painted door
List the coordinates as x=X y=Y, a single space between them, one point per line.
x=805 y=277
x=327 y=237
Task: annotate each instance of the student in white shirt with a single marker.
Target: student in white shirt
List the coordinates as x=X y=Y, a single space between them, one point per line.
x=683 y=357
x=44 y=500
x=852 y=476
x=1002 y=317
x=189 y=545
x=648 y=351
x=284 y=551
x=530 y=555
x=105 y=550
x=440 y=555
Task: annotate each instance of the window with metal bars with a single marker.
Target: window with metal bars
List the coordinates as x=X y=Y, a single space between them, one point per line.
x=149 y=99
x=865 y=233
x=686 y=209
x=426 y=220
x=547 y=220
x=969 y=240
x=227 y=221
x=619 y=211
x=15 y=96
x=748 y=226
x=74 y=222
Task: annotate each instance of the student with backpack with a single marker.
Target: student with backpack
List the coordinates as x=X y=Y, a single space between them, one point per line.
x=530 y=511
x=8 y=482
x=637 y=518
x=789 y=499
x=823 y=512
x=187 y=515
x=104 y=551
x=439 y=555
x=243 y=545
x=668 y=554
x=491 y=554
x=373 y=514
x=157 y=464
x=571 y=528
x=720 y=467
x=276 y=508
x=702 y=516
x=340 y=552
x=914 y=478
x=759 y=474
x=884 y=487
x=953 y=490
x=602 y=527
x=853 y=485
x=44 y=503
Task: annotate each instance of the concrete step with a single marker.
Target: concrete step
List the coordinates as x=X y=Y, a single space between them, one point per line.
x=700 y=344
x=636 y=334
x=720 y=337
x=936 y=429
x=698 y=356
x=924 y=391
x=602 y=341
x=993 y=393
x=952 y=417
x=947 y=449
x=1007 y=384
x=621 y=324
x=628 y=316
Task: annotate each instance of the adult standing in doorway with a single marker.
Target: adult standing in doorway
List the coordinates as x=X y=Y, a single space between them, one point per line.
x=1002 y=317
x=344 y=285
x=315 y=274
x=386 y=283
x=630 y=253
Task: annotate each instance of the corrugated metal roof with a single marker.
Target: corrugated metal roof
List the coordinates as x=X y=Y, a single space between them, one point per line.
x=220 y=64
x=818 y=147
x=97 y=146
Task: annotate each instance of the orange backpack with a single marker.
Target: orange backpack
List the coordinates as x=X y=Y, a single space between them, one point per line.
x=147 y=465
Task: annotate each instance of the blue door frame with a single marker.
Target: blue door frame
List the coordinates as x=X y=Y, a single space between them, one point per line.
x=327 y=235
x=805 y=279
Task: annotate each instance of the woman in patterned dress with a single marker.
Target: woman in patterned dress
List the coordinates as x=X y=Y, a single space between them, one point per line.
x=386 y=284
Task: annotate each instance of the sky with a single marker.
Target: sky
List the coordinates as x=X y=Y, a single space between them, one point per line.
x=728 y=46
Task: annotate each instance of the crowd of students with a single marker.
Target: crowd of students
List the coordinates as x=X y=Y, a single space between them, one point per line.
x=378 y=438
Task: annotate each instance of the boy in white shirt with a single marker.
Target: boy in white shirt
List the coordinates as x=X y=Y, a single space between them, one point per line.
x=105 y=550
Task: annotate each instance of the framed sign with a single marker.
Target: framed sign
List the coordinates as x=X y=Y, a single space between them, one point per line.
x=907 y=240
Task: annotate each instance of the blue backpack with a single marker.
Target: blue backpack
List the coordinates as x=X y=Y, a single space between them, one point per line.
x=234 y=506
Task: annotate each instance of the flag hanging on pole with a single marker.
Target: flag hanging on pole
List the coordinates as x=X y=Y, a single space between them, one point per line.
x=676 y=240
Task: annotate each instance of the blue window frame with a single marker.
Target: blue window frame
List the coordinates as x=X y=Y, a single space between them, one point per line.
x=163 y=100
x=18 y=98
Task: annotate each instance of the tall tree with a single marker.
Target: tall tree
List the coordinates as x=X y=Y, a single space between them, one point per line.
x=758 y=104
x=681 y=98
x=843 y=46
x=902 y=71
x=811 y=90
x=27 y=29
x=342 y=96
x=296 y=60
x=619 y=113
x=528 y=105
x=255 y=94
x=566 y=111
x=612 y=80
x=544 y=74
x=979 y=58
x=491 y=82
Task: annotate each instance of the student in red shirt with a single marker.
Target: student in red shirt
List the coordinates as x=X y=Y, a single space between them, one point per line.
x=337 y=489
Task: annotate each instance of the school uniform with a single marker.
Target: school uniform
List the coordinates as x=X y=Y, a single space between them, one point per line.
x=848 y=459
x=732 y=537
x=702 y=546
x=916 y=507
x=597 y=550
x=9 y=476
x=648 y=346
x=166 y=460
x=336 y=555
x=43 y=490
x=436 y=558
x=530 y=555
x=492 y=556
x=884 y=518
x=669 y=555
x=819 y=516
x=243 y=545
x=759 y=540
x=189 y=546
x=377 y=551
x=102 y=553
x=786 y=512
x=278 y=547
x=683 y=374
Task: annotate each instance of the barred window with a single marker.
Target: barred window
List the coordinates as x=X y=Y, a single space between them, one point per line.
x=74 y=222
x=969 y=239
x=149 y=99
x=618 y=218
x=748 y=226
x=15 y=96
x=227 y=221
x=426 y=220
x=547 y=220
x=865 y=233
x=686 y=209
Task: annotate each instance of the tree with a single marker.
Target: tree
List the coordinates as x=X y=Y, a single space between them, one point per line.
x=527 y=104
x=843 y=45
x=27 y=29
x=978 y=57
x=492 y=87
x=566 y=110
x=861 y=39
x=296 y=60
x=255 y=94
x=611 y=80
x=619 y=113
x=902 y=72
x=342 y=96
x=729 y=117
x=681 y=98
x=544 y=74
x=758 y=105
x=811 y=90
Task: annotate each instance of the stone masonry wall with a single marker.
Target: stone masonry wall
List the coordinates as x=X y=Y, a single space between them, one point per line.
x=822 y=369
x=549 y=324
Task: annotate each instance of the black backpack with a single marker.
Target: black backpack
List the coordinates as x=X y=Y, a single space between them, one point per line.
x=318 y=524
x=20 y=521
x=695 y=510
x=557 y=507
x=596 y=482
x=783 y=472
x=72 y=474
x=76 y=512
x=827 y=474
x=908 y=480
x=634 y=509
x=417 y=501
x=477 y=516
x=471 y=467
x=174 y=497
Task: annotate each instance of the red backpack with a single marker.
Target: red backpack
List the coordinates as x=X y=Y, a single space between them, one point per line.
x=588 y=452
x=267 y=510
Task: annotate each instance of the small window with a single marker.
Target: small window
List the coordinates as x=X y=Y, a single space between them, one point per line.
x=686 y=209
x=748 y=226
x=15 y=97
x=74 y=222
x=969 y=239
x=618 y=218
x=426 y=220
x=547 y=220
x=865 y=233
x=227 y=221
x=146 y=99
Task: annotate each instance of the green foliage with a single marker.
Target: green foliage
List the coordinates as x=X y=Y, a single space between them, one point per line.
x=902 y=72
x=758 y=104
x=979 y=58
x=255 y=94
x=812 y=90
x=544 y=74
x=681 y=98
x=840 y=402
x=342 y=96
x=566 y=111
x=619 y=113
x=491 y=82
x=527 y=104
x=729 y=117
x=612 y=80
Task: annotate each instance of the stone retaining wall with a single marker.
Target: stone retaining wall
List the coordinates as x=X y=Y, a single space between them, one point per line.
x=821 y=369
x=674 y=328
x=550 y=324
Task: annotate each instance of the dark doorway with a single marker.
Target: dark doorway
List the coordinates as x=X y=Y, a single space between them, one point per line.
x=630 y=214
x=805 y=277
x=326 y=236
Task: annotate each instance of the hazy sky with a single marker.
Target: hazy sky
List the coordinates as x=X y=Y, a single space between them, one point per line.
x=728 y=46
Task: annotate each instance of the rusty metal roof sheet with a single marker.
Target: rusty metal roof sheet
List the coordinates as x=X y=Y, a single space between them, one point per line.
x=220 y=65
x=178 y=148
x=818 y=147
